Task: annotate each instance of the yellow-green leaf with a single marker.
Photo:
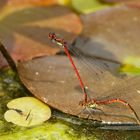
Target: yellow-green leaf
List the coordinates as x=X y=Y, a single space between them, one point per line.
x=88 y=6
x=27 y=111
x=131 y=65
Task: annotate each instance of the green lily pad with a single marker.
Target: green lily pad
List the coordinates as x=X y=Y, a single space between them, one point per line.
x=27 y=111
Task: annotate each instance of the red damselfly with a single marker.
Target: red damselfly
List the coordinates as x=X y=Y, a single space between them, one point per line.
x=88 y=103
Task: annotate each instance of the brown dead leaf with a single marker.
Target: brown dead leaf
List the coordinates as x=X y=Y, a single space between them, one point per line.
x=52 y=80
x=111 y=34
x=24 y=30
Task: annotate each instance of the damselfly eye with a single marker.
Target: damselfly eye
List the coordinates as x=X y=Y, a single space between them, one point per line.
x=52 y=36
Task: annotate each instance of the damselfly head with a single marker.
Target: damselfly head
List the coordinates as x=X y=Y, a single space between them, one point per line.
x=52 y=36
x=55 y=38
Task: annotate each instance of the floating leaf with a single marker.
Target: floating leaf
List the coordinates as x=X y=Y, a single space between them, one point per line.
x=27 y=111
x=52 y=80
